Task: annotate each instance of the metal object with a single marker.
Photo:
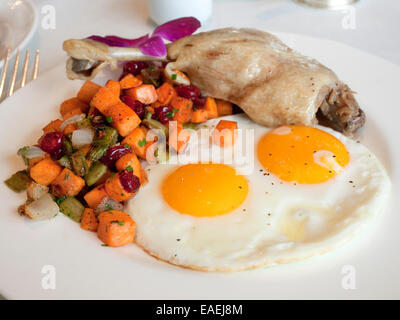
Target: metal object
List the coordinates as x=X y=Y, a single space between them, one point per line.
x=329 y=4
x=11 y=86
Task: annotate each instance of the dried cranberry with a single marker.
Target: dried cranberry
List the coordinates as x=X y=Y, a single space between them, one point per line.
x=52 y=143
x=199 y=101
x=135 y=105
x=188 y=92
x=129 y=181
x=113 y=154
x=163 y=114
x=134 y=67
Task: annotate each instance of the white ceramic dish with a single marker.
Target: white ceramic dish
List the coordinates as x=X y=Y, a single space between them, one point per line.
x=162 y=11
x=18 y=23
x=85 y=269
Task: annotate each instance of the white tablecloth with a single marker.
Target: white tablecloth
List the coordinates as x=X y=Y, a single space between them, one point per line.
x=370 y=25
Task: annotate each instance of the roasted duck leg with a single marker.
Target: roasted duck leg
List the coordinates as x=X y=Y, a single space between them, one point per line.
x=272 y=83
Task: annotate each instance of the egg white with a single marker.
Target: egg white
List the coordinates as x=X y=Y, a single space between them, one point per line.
x=278 y=222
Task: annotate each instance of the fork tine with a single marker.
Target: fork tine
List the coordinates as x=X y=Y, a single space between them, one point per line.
x=3 y=76
x=25 y=70
x=36 y=66
x=14 y=75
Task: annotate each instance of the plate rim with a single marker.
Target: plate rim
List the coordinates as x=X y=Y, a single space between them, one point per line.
x=11 y=295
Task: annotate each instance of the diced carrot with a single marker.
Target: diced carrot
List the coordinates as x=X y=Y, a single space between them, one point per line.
x=211 y=107
x=145 y=93
x=199 y=116
x=224 y=133
x=89 y=220
x=182 y=109
x=33 y=161
x=72 y=113
x=103 y=99
x=71 y=104
x=165 y=93
x=143 y=178
x=130 y=81
x=124 y=119
x=94 y=197
x=130 y=160
x=116 y=228
x=114 y=86
x=70 y=128
x=115 y=189
x=137 y=141
x=87 y=91
x=178 y=138
x=45 y=171
x=224 y=108
x=53 y=126
x=67 y=183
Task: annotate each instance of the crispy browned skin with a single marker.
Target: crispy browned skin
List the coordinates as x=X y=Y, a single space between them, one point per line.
x=272 y=83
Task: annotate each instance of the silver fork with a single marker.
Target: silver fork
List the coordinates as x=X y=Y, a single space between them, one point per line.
x=11 y=86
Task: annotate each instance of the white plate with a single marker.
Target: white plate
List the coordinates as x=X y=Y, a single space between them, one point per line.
x=18 y=22
x=85 y=269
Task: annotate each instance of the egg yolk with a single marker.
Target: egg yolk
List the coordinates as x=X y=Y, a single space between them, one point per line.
x=204 y=189
x=302 y=154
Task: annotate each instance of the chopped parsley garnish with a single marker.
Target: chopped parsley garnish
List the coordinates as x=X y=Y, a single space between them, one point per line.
x=142 y=142
x=60 y=199
x=129 y=168
x=66 y=176
x=121 y=223
x=172 y=113
x=127 y=146
x=104 y=245
x=23 y=149
x=109 y=119
x=174 y=76
x=108 y=206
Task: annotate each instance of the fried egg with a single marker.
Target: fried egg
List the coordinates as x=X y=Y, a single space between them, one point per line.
x=307 y=191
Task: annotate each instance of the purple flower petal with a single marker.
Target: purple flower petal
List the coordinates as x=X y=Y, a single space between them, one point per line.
x=178 y=28
x=114 y=41
x=154 y=47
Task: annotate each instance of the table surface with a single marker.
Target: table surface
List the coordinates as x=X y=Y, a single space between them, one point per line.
x=369 y=25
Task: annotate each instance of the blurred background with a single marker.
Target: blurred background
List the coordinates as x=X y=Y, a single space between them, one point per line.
x=369 y=25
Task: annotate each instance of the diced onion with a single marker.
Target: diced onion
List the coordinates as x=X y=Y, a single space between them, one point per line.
x=82 y=137
x=33 y=152
x=42 y=209
x=108 y=203
x=35 y=191
x=73 y=119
